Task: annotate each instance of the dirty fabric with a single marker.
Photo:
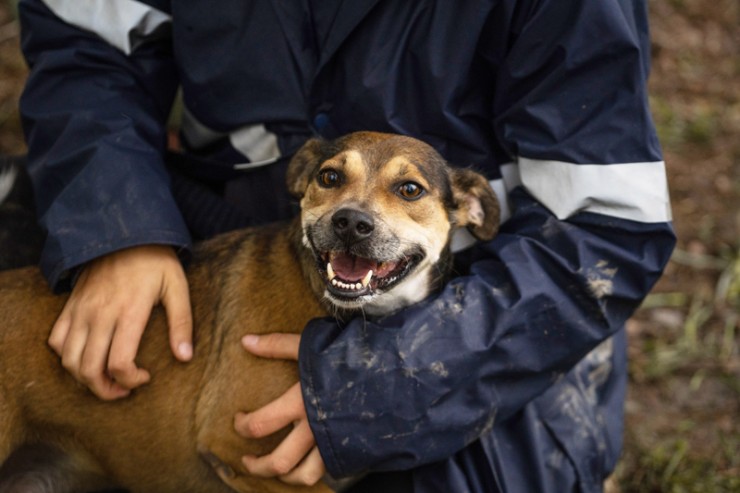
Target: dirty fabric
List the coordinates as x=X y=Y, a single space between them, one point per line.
x=477 y=387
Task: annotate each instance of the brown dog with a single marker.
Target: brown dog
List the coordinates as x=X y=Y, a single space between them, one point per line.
x=378 y=211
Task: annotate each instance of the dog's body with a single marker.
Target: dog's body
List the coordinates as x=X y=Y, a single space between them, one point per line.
x=151 y=438
x=365 y=241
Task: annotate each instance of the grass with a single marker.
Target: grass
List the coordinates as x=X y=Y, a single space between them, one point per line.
x=690 y=445
x=671 y=467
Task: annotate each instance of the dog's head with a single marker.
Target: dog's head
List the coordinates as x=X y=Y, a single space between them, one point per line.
x=377 y=213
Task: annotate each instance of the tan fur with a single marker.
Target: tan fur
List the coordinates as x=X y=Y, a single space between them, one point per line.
x=176 y=433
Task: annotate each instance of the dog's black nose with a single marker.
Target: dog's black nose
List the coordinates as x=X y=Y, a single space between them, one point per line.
x=352 y=225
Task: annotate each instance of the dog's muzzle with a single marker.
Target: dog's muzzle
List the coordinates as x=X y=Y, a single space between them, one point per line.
x=356 y=259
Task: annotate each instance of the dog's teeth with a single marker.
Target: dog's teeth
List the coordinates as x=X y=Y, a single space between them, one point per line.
x=354 y=286
x=350 y=286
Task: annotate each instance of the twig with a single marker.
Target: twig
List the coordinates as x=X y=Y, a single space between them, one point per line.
x=698 y=261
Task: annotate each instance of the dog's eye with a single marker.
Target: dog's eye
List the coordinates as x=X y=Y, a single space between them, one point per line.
x=410 y=190
x=328 y=178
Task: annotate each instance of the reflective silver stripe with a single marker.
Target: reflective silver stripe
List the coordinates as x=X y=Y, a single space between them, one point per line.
x=634 y=191
x=124 y=24
x=255 y=142
x=7 y=180
x=510 y=180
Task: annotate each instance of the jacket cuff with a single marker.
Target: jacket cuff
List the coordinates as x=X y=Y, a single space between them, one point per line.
x=323 y=330
x=62 y=273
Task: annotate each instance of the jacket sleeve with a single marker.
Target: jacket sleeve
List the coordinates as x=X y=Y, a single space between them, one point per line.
x=588 y=236
x=101 y=84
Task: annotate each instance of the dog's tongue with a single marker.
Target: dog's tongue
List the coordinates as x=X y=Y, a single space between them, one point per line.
x=351 y=268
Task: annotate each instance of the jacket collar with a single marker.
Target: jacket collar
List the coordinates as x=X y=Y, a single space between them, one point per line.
x=348 y=17
x=350 y=14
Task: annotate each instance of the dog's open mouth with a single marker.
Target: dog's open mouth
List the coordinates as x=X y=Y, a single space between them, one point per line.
x=349 y=276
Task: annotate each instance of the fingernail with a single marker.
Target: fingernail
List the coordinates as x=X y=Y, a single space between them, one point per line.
x=250 y=340
x=185 y=350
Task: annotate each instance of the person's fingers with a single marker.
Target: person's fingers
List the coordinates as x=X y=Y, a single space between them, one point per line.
x=94 y=358
x=296 y=460
x=176 y=300
x=275 y=345
x=73 y=346
x=108 y=390
x=288 y=454
x=121 y=364
x=59 y=331
x=84 y=355
x=308 y=472
x=272 y=417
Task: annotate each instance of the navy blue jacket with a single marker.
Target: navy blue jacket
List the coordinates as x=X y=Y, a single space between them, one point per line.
x=511 y=379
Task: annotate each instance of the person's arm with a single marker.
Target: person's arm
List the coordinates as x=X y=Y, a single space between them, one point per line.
x=94 y=108
x=589 y=235
x=101 y=84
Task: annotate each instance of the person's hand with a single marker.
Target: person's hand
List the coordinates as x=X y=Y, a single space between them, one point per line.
x=296 y=460
x=99 y=330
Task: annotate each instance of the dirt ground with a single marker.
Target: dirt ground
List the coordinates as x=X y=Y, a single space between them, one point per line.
x=683 y=426
x=683 y=431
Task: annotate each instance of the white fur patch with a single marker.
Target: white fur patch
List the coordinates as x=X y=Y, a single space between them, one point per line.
x=411 y=290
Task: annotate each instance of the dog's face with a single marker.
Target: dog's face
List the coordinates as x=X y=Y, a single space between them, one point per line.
x=377 y=212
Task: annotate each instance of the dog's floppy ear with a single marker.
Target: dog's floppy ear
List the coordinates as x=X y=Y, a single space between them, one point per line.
x=303 y=164
x=476 y=203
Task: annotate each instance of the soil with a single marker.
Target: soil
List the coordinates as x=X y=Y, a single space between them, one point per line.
x=683 y=431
